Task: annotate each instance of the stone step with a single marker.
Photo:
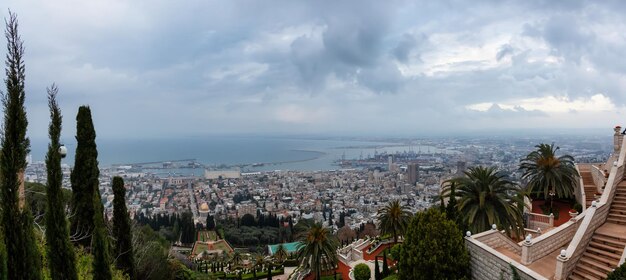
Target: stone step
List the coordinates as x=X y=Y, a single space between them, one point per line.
x=617 y=212
x=615 y=221
x=599 y=266
x=619 y=238
x=575 y=276
x=601 y=259
x=606 y=247
x=618 y=205
x=603 y=238
x=612 y=256
x=617 y=216
x=590 y=271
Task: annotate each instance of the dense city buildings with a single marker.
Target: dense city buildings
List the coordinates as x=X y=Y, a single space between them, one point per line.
x=358 y=186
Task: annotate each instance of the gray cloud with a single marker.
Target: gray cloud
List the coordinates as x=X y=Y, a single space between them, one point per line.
x=351 y=66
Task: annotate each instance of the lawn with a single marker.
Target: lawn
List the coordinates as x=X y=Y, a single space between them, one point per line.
x=206 y=235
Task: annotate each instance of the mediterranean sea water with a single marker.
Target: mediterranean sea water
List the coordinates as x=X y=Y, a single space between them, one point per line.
x=273 y=153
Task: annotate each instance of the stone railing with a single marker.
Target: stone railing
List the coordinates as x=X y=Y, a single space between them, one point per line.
x=541 y=221
x=579 y=190
x=553 y=240
x=377 y=244
x=599 y=179
x=489 y=264
x=594 y=218
x=496 y=239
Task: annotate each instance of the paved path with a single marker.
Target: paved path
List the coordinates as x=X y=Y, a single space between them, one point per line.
x=284 y=276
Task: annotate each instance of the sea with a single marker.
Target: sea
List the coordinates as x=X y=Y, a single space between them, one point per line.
x=265 y=153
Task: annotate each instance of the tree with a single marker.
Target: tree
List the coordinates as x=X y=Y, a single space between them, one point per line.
x=100 y=246
x=237 y=258
x=385 y=265
x=318 y=251
x=281 y=253
x=425 y=255
x=369 y=229
x=547 y=173
x=617 y=274
x=84 y=178
x=61 y=258
x=362 y=272
x=248 y=220
x=487 y=198
x=187 y=228
x=210 y=222
x=393 y=219
x=377 y=275
x=345 y=233
x=259 y=262
x=451 y=208
x=22 y=257
x=122 y=229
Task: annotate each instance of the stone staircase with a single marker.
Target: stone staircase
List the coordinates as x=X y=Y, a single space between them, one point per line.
x=589 y=186
x=607 y=243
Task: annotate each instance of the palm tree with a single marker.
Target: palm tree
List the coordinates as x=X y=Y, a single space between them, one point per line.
x=548 y=173
x=237 y=259
x=485 y=197
x=281 y=253
x=318 y=251
x=393 y=219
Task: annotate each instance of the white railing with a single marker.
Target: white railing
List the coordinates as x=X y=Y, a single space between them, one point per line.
x=544 y=244
x=599 y=177
x=594 y=218
x=541 y=221
x=492 y=263
x=579 y=191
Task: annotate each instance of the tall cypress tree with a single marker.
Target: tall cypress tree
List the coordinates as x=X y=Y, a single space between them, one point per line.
x=100 y=244
x=84 y=178
x=121 y=229
x=61 y=258
x=22 y=259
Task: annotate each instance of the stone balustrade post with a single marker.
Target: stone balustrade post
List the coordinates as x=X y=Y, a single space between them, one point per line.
x=617 y=139
x=526 y=253
x=551 y=221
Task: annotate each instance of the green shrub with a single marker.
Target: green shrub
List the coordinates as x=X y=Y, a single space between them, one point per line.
x=578 y=207
x=618 y=274
x=362 y=272
x=394 y=252
x=291 y=263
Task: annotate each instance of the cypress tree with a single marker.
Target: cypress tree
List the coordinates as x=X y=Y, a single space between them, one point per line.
x=377 y=275
x=100 y=244
x=22 y=259
x=84 y=178
x=3 y=257
x=121 y=229
x=61 y=259
x=451 y=208
x=385 y=266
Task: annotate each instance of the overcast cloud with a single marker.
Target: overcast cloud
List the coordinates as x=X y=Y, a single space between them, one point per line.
x=184 y=68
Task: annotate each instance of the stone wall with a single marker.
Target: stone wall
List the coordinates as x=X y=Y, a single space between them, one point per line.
x=496 y=239
x=489 y=264
x=553 y=240
x=598 y=177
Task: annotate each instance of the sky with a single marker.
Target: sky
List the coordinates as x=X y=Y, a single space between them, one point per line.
x=154 y=69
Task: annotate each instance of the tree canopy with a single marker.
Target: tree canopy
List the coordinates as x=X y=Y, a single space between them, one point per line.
x=545 y=172
x=486 y=197
x=433 y=249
